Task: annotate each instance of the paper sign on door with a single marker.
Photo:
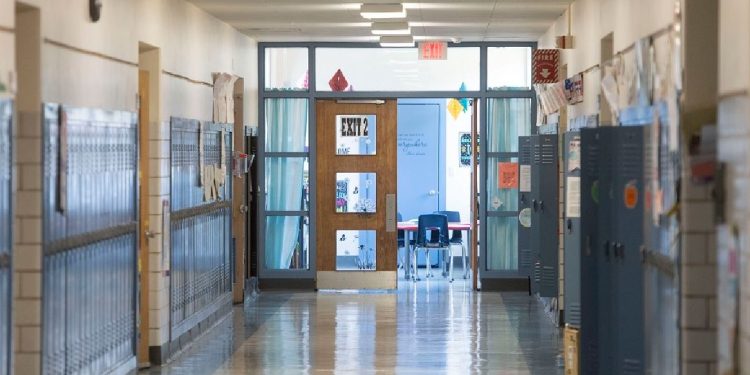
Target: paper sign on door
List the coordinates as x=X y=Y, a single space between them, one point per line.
x=525 y=179
x=573 y=197
x=507 y=175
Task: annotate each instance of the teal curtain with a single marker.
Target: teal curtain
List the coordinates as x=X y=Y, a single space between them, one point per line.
x=507 y=119
x=286 y=131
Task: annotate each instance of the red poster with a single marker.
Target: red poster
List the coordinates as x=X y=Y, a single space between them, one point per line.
x=544 y=65
x=507 y=175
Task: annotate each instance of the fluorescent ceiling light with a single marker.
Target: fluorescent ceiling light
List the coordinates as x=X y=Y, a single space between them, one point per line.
x=391 y=28
x=397 y=41
x=375 y=11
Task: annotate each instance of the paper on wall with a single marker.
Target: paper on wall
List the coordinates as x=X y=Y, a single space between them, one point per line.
x=524 y=179
x=573 y=197
x=230 y=98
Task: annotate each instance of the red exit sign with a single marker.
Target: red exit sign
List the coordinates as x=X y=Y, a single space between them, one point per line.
x=434 y=50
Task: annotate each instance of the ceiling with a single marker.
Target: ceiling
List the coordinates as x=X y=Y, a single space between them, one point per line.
x=340 y=21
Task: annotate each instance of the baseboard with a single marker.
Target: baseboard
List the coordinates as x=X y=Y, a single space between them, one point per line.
x=162 y=354
x=286 y=284
x=505 y=285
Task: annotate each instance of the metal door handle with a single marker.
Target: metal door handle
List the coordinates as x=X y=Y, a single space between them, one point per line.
x=432 y=193
x=533 y=203
x=149 y=234
x=541 y=206
x=243 y=209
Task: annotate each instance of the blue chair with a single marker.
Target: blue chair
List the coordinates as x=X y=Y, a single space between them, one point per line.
x=437 y=227
x=457 y=239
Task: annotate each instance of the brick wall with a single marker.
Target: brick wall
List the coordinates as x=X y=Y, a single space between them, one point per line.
x=27 y=259
x=698 y=280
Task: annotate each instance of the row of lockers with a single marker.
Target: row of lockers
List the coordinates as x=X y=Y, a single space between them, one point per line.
x=603 y=173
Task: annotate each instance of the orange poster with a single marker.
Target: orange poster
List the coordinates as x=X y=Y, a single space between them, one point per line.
x=507 y=175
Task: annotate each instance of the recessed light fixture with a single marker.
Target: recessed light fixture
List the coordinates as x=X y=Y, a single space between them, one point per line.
x=391 y=28
x=380 y=11
x=397 y=41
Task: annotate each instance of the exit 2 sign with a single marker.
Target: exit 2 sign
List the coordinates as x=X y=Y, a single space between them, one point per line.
x=433 y=50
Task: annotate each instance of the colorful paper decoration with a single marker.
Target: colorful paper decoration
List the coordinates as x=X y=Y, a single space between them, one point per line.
x=338 y=82
x=454 y=108
x=465 y=102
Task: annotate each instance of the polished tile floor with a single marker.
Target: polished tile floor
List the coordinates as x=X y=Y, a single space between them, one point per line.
x=431 y=327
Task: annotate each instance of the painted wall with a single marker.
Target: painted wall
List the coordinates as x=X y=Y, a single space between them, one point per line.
x=592 y=20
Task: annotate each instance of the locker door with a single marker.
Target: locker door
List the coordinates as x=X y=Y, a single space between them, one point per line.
x=536 y=233
x=627 y=251
x=572 y=229
x=526 y=258
x=548 y=216
x=590 y=156
x=605 y=286
x=6 y=242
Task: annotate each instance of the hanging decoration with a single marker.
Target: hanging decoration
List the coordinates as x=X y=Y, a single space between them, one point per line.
x=338 y=82
x=465 y=102
x=454 y=108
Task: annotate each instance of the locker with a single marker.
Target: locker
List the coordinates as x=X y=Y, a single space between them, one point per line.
x=526 y=258
x=544 y=217
x=605 y=282
x=591 y=155
x=572 y=229
x=626 y=254
x=6 y=218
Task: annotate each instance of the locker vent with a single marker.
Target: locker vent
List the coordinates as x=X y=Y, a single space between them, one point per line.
x=537 y=272
x=573 y=314
x=537 y=154
x=548 y=153
x=631 y=164
x=632 y=366
x=549 y=276
x=591 y=160
x=524 y=156
x=525 y=260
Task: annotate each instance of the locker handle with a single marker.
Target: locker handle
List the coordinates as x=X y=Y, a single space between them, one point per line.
x=523 y=198
x=620 y=250
x=541 y=206
x=533 y=203
x=606 y=249
x=570 y=225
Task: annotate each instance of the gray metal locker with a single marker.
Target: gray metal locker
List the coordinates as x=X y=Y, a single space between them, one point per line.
x=626 y=254
x=526 y=258
x=591 y=157
x=605 y=282
x=572 y=228
x=545 y=212
x=6 y=242
x=535 y=234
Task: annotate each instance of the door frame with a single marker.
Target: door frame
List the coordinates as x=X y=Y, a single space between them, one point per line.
x=305 y=279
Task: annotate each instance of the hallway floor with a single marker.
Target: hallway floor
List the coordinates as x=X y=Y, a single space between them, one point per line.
x=431 y=327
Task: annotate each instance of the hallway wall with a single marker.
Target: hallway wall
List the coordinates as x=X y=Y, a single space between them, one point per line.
x=88 y=64
x=628 y=21
x=734 y=137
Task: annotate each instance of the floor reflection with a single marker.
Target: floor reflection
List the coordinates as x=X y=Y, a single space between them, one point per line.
x=427 y=327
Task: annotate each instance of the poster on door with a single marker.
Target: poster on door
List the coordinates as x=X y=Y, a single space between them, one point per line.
x=465 y=146
x=507 y=175
x=355 y=135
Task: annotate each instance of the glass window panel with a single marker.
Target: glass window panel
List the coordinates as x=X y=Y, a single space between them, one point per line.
x=509 y=68
x=356 y=134
x=287 y=243
x=356 y=192
x=498 y=198
x=397 y=69
x=287 y=125
x=507 y=119
x=502 y=243
x=286 y=69
x=355 y=250
x=287 y=184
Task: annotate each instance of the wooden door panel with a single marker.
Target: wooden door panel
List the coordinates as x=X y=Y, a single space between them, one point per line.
x=328 y=164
